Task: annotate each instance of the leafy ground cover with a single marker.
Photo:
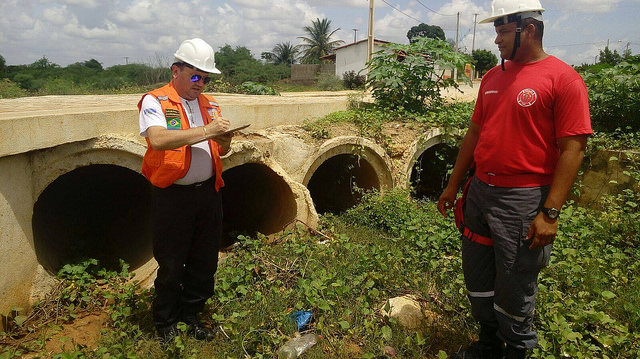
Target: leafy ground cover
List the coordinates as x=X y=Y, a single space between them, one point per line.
x=387 y=246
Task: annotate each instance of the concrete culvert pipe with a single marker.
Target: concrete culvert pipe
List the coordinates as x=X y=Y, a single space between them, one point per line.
x=429 y=174
x=96 y=211
x=333 y=184
x=255 y=199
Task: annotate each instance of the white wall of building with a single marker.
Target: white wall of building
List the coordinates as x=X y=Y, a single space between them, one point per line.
x=353 y=57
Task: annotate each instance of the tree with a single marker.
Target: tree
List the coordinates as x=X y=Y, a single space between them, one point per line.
x=484 y=60
x=3 y=65
x=318 y=42
x=608 y=57
x=43 y=63
x=424 y=30
x=282 y=53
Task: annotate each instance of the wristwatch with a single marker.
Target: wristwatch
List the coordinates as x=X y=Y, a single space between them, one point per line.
x=551 y=213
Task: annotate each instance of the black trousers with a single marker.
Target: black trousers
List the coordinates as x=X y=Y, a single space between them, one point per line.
x=186 y=228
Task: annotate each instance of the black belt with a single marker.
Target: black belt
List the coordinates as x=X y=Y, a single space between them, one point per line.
x=210 y=182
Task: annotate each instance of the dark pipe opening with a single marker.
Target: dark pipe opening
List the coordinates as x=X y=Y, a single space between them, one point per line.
x=333 y=186
x=255 y=199
x=97 y=211
x=431 y=171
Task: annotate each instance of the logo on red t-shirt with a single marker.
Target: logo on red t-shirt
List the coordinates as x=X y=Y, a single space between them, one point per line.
x=527 y=97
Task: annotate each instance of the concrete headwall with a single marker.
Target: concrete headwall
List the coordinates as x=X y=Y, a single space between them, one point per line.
x=18 y=263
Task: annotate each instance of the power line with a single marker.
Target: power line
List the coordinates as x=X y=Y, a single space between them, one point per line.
x=580 y=44
x=433 y=11
x=400 y=11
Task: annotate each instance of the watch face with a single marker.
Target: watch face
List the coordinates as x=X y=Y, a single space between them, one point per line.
x=552 y=213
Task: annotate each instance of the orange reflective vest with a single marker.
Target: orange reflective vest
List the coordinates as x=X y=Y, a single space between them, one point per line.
x=162 y=168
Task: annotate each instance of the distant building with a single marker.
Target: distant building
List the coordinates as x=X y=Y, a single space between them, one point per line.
x=352 y=57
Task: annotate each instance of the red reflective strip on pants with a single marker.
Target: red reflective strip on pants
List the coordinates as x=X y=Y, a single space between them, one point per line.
x=474 y=237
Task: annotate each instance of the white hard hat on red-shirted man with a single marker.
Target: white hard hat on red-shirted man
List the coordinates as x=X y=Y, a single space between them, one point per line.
x=501 y=8
x=197 y=53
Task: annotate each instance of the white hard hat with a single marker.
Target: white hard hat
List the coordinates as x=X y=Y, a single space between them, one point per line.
x=197 y=53
x=527 y=8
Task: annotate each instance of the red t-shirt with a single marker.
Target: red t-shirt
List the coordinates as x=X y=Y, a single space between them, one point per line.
x=521 y=113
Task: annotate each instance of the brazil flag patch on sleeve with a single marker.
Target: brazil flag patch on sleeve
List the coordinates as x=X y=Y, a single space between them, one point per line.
x=173 y=119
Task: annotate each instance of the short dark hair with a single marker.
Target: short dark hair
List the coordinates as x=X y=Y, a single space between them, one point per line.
x=539 y=25
x=182 y=64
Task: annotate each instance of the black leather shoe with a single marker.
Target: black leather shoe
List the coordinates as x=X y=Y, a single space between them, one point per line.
x=200 y=332
x=479 y=350
x=166 y=334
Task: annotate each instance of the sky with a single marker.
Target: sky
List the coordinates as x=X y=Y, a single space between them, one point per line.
x=118 y=32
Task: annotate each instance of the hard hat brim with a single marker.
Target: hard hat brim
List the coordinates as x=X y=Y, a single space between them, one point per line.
x=491 y=19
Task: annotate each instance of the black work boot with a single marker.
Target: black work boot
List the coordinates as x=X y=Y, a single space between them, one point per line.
x=515 y=353
x=197 y=330
x=167 y=334
x=489 y=346
x=479 y=350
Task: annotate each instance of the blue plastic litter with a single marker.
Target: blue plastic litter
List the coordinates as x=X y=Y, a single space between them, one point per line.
x=302 y=318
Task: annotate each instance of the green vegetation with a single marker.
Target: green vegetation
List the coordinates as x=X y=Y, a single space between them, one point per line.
x=414 y=83
x=46 y=78
x=282 y=53
x=238 y=66
x=387 y=246
x=483 y=61
x=318 y=41
x=353 y=81
x=424 y=30
x=89 y=77
x=614 y=96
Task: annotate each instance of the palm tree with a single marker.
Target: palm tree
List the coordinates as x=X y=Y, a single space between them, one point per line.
x=318 y=42
x=282 y=53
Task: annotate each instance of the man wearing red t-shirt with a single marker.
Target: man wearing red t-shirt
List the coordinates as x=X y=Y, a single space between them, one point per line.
x=526 y=142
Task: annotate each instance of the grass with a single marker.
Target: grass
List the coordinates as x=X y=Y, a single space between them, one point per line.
x=389 y=245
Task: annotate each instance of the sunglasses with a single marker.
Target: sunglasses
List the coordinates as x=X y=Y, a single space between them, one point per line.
x=196 y=77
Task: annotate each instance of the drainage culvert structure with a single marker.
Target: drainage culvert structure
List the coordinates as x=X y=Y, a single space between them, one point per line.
x=341 y=169
x=90 y=201
x=429 y=162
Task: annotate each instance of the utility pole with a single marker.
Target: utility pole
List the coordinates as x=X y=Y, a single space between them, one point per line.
x=473 y=43
x=457 y=29
x=126 y=60
x=455 y=71
x=370 y=36
x=355 y=35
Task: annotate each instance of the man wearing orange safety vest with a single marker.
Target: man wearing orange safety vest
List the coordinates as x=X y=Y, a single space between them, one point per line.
x=526 y=142
x=184 y=130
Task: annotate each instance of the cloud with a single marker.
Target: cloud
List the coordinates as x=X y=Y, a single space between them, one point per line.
x=589 y=6
x=89 y=4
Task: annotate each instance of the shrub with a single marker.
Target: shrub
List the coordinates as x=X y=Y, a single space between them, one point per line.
x=254 y=88
x=614 y=97
x=220 y=85
x=9 y=89
x=409 y=77
x=329 y=82
x=353 y=81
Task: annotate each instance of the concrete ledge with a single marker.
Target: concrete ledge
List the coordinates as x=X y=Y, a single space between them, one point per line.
x=34 y=123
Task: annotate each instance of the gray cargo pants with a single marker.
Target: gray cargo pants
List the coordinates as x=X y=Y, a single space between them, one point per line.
x=501 y=280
